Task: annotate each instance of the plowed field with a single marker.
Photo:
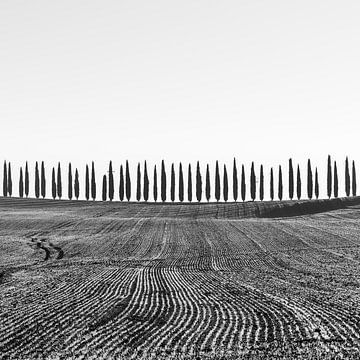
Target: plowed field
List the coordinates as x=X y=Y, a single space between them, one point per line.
x=149 y=281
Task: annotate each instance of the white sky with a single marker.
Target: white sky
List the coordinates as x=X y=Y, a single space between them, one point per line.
x=179 y=80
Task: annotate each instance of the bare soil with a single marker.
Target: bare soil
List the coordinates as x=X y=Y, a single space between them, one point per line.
x=82 y=280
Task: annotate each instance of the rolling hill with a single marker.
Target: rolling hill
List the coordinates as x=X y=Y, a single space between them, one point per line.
x=83 y=280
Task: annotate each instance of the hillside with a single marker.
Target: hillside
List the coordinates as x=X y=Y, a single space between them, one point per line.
x=83 y=280
x=193 y=210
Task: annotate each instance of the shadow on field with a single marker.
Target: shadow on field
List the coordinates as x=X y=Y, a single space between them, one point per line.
x=297 y=208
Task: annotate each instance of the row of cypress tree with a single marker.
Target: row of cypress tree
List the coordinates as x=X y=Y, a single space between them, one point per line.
x=143 y=184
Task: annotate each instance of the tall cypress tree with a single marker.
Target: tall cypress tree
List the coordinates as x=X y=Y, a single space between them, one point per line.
x=127 y=181
x=298 y=183
x=5 y=181
x=347 y=177
x=217 y=182
x=235 y=182
x=37 y=181
x=43 y=181
x=138 y=183
x=9 y=187
x=280 y=184
x=76 y=185
x=226 y=185
x=59 y=185
x=53 y=184
x=87 y=183
x=93 y=182
x=26 y=185
x=243 y=183
x=252 y=182
x=172 y=183
x=271 y=184
x=316 y=184
x=21 y=183
x=163 y=181
x=198 y=183
x=104 y=189
x=329 y=178
x=181 y=184
x=146 y=183
x=189 y=184
x=353 y=179
x=261 y=183
x=336 y=181
x=291 y=180
x=207 y=183
x=70 y=183
x=155 y=189
x=309 y=181
x=111 y=182
x=121 y=184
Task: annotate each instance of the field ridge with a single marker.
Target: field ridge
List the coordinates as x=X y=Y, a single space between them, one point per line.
x=217 y=210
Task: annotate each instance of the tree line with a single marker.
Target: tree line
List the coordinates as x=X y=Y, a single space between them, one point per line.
x=159 y=186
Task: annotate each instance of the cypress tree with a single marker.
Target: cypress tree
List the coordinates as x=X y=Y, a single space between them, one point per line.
x=291 y=180
x=93 y=182
x=172 y=183
x=53 y=184
x=243 y=183
x=309 y=180
x=316 y=184
x=70 y=183
x=5 y=181
x=127 y=181
x=111 y=182
x=235 y=182
x=9 y=187
x=207 y=183
x=37 y=181
x=146 y=183
x=280 y=189
x=298 y=183
x=163 y=181
x=26 y=180
x=121 y=185
x=181 y=184
x=87 y=183
x=76 y=185
x=347 y=177
x=252 y=182
x=21 y=184
x=189 y=184
x=261 y=183
x=226 y=185
x=329 y=178
x=198 y=183
x=155 y=189
x=43 y=181
x=138 y=183
x=271 y=184
x=59 y=185
x=336 y=181
x=217 y=182
x=104 y=189
x=353 y=179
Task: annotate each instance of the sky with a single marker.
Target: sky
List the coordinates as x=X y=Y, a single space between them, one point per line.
x=260 y=81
